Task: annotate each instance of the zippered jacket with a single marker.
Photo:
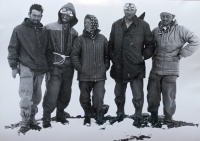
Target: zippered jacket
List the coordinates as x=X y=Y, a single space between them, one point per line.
x=56 y=33
x=170 y=48
x=30 y=46
x=90 y=57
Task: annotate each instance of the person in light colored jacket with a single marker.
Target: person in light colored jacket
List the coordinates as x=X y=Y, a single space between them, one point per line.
x=170 y=39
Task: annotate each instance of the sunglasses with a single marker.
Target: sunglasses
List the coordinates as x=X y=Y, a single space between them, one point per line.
x=129 y=6
x=66 y=11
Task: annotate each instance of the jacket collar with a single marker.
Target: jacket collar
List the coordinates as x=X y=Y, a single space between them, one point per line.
x=88 y=34
x=135 y=20
x=27 y=22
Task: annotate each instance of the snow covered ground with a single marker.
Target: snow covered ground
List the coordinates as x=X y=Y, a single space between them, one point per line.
x=188 y=84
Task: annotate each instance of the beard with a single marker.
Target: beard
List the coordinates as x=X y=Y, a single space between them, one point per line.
x=35 y=22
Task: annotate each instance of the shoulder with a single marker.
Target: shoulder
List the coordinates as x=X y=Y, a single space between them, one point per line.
x=119 y=21
x=53 y=26
x=18 y=27
x=142 y=22
x=102 y=36
x=155 y=29
x=79 y=38
x=181 y=28
x=74 y=31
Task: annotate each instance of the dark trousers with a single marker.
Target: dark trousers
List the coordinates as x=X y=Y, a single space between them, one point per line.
x=58 y=92
x=98 y=91
x=166 y=85
x=137 y=92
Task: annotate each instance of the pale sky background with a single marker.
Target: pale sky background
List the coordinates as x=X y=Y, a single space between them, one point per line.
x=12 y=13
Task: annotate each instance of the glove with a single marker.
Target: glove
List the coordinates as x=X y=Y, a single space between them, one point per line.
x=14 y=73
x=47 y=76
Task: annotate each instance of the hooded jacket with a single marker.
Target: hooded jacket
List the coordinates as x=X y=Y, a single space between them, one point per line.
x=170 y=48
x=56 y=33
x=127 y=47
x=90 y=57
x=29 y=45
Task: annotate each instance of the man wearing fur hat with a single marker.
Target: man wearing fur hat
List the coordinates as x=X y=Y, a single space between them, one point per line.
x=131 y=42
x=30 y=55
x=90 y=59
x=170 y=39
x=59 y=82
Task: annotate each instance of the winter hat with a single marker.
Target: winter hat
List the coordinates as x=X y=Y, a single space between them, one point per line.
x=94 y=24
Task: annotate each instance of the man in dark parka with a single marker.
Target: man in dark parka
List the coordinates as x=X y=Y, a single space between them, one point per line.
x=130 y=43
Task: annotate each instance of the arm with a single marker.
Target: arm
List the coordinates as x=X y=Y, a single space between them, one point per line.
x=49 y=52
x=13 y=50
x=111 y=41
x=106 y=56
x=149 y=49
x=75 y=56
x=191 y=39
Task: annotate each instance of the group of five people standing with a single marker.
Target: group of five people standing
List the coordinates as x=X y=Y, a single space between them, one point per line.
x=56 y=49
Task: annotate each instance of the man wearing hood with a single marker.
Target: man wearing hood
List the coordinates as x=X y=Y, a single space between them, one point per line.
x=90 y=59
x=58 y=85
x=170 y=39
x=30 y=55
x=130 y=43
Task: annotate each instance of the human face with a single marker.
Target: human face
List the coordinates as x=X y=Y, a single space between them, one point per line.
x=87 y=25
x=35 y=16
x=130 y=13
x=65 y=18
x=166 y=18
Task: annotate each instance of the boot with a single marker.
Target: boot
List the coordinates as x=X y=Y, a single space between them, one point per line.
x=100 y=118
x=46 y=124
x=62 y=120
x=61 y=117
x=105 y=109
x=168 y=120
x=118 y=118
x=23 y=130
x=137 y=122
x=87 y=121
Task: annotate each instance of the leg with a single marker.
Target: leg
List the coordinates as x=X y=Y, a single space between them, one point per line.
x=120 y=90
x=98 y=95
x=169 y=95
x=25 y=93
x=65 y=91
x=138 y=96
x=51 y=93
x=154 y=94
x=37 y=96
x=85 y=88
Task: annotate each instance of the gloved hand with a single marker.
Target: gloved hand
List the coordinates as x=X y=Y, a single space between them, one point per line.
x=14 y=73
x=179 y=56
x=47 y=76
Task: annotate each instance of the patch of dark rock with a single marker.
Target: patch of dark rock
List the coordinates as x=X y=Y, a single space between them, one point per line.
x=141 y=137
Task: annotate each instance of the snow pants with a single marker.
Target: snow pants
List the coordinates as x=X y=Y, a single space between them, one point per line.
x=30 y=94
x=58 y=92
x=165 y=84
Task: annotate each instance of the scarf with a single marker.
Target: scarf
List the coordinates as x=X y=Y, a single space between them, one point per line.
x=165 y=29
x=94 y=25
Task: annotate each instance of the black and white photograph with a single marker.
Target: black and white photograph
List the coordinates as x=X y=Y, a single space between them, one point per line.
x=100 y=70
